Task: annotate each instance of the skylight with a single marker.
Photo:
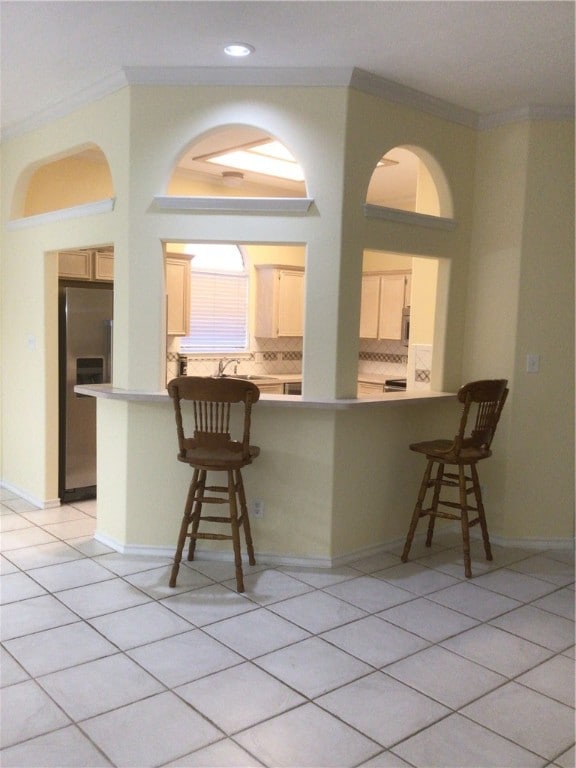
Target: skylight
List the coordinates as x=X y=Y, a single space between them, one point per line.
x=267 y=157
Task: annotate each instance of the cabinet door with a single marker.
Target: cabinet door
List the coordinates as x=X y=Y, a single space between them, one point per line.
x=370 y=307
x=76 y=265
x=391 y=306
x=177 y=296
x=290 y=303
x=104 y=266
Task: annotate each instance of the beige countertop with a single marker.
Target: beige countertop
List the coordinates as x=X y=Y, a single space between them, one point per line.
x=109 y=392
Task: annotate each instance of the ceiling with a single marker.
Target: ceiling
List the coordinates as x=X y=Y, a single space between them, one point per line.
x=482 y=56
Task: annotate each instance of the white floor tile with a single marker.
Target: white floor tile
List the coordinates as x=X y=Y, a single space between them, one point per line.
x=429 y=620
x=183 y=658
x=313 y=666
x=19 y=586
x=150 y=732
x=375 y=641
x=474 y=601
x=122 y=565
x=45 y=554
x=209 y=604
x=518 y=586
x=221 y=754
x=13 y=522
x=317 y=611
x=240 y=697
x=219 y=570
x=385 y=759
x=416 y=578
x=538 y=626
x=65 y=748
x=307 y=737
x=374 y=563
x=33 y=615
x=370 y=594
x=554 y=678
x=10 y=671
x=513 y=711
x=256 y=633
x=155 y=581
x=6 y=566
x=25 y=537
x=142 y=624
x=497 y=650
x=269 y=586
x=567 y=759
x=445 y=676
x=27 y=712
x=97 y=686
x=62 y=647
x=547 y=568
x=72 y=529
x=319 y=577
x=61 y=514
x=105 y=597
x=74 y=573
x=459 y=743
x=382 y=708
x=561 y=603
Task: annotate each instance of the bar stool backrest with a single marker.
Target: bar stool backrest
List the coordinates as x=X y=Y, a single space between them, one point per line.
x=489 y=395
x=212 y=400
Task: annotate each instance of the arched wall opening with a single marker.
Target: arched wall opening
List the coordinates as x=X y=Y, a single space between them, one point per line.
x=237 y=160
x=82 y=175
x=409 y=178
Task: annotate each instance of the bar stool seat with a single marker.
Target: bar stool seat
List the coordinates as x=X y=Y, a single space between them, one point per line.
x=464 y=452
x=206 y=445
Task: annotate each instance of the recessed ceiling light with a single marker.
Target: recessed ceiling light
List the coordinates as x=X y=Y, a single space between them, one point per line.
x=239 y=49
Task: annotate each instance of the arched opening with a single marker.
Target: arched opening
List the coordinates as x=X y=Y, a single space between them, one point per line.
x=78 y=177
x=237 y=160
x=408 y=178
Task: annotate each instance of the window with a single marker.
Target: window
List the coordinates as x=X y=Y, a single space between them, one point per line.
x=218 y=299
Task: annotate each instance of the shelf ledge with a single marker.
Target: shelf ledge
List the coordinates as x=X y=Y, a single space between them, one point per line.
x=251 y=205
x=62 y=214
x=372 y=211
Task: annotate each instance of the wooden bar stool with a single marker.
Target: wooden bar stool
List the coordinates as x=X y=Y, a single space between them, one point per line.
x=210 y=448
x=464 y=452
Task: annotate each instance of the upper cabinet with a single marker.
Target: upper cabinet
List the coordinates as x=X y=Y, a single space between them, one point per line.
x=279 y=301
x=384 y=296
x=87 y=264
x=177 y=294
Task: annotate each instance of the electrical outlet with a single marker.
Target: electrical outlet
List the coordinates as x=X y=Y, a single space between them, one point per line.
x=532 y=363
x=258 y=508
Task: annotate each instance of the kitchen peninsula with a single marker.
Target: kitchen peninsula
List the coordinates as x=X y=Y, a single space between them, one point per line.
x=320 y=508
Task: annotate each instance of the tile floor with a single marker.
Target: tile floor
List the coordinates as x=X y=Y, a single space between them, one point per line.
x=378 y=663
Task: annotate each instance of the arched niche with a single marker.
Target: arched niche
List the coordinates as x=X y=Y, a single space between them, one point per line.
x=237 y=161
x=409 y=178
x=78 y=177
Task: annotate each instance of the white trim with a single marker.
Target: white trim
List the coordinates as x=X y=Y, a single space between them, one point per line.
x=496 y=119
x=252 y=205
x=40 y=503
x=372 y=211
x=62 y=214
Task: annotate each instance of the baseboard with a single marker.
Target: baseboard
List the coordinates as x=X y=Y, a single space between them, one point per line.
x=40 y=503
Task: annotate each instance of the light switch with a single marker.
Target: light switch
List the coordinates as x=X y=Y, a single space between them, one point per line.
x=532 y=363
x=31 y=342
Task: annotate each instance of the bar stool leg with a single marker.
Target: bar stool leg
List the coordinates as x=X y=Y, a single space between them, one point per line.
x=434 y=507
x=197 y=511
x=481 y=513
x=235 y=531
x=244 y=518
x=464 y=521
x=425 y=484
x=184 y=528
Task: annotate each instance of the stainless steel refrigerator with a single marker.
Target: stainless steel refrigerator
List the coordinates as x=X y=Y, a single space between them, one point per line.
x=85 y=357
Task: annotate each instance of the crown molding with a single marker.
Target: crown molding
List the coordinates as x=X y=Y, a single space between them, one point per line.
x=522 y=114
x=327 y=77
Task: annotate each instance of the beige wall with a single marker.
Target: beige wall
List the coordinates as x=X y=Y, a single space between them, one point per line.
x=485 y=273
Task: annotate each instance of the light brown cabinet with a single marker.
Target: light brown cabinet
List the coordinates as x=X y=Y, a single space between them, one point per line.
x=384 y=296
x=279 y=301
x=86 y=264
x=177 y=268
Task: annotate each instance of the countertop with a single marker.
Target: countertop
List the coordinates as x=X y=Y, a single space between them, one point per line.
x=109 y=392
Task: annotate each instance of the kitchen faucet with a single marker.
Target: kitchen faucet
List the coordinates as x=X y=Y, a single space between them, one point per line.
x=224 y=363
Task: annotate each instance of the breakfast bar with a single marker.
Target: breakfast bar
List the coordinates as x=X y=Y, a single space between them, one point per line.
x=335 y=476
